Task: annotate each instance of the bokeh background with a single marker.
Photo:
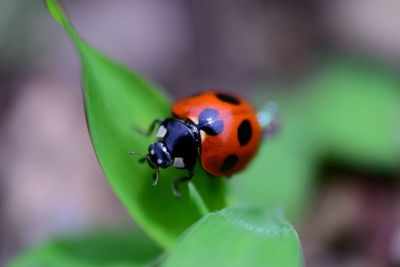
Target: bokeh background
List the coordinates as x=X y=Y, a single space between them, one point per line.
x=50 y=182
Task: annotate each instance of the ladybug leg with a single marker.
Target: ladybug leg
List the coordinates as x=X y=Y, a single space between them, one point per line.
x=150 y=130
x=179 y=180
x=156 y=174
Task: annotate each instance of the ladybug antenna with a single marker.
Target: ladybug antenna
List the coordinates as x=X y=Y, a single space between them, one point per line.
x=268 y=118
x=143 y=155
x=132 y=153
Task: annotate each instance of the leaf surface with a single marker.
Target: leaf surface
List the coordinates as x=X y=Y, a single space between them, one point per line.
x=116 y=99
x=238 y=237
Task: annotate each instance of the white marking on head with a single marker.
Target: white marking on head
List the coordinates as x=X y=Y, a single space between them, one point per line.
x=194 y=120
x=152 y=151
x=159 y=161
x=162 y=131
x=164 y=148
x=178 y=163
x=202 y=134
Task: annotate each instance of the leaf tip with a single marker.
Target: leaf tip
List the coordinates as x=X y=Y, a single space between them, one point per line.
x=57 y=12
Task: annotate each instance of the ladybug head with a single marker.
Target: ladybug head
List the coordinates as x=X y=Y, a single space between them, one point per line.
x=158 y=156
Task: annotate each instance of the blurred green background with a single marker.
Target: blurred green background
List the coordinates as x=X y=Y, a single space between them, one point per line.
x=331 y=67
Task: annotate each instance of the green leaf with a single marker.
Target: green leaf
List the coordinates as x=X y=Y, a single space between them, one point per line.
x=354 y=110
x=348 y=110
x=281 y=173
x=237 y=237
x=117 y=99
x=96 y=249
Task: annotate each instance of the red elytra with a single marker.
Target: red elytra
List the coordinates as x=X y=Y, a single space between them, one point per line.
x=229 y=151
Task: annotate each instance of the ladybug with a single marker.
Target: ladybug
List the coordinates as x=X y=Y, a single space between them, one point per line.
x=219 y=129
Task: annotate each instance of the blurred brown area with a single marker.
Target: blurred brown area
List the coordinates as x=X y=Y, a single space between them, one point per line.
x=354 y=219
x=50 y=182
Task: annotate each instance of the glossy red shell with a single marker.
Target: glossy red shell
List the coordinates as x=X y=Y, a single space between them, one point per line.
x=228 y=152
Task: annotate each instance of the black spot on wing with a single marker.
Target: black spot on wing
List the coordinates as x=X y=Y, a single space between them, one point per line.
x=227 y=98
x=214 y=129
x=229 y=162
x=244 y=132
x=209 y=122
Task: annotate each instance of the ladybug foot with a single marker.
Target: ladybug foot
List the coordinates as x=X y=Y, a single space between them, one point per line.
x=155 y=177
x=175 y=189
